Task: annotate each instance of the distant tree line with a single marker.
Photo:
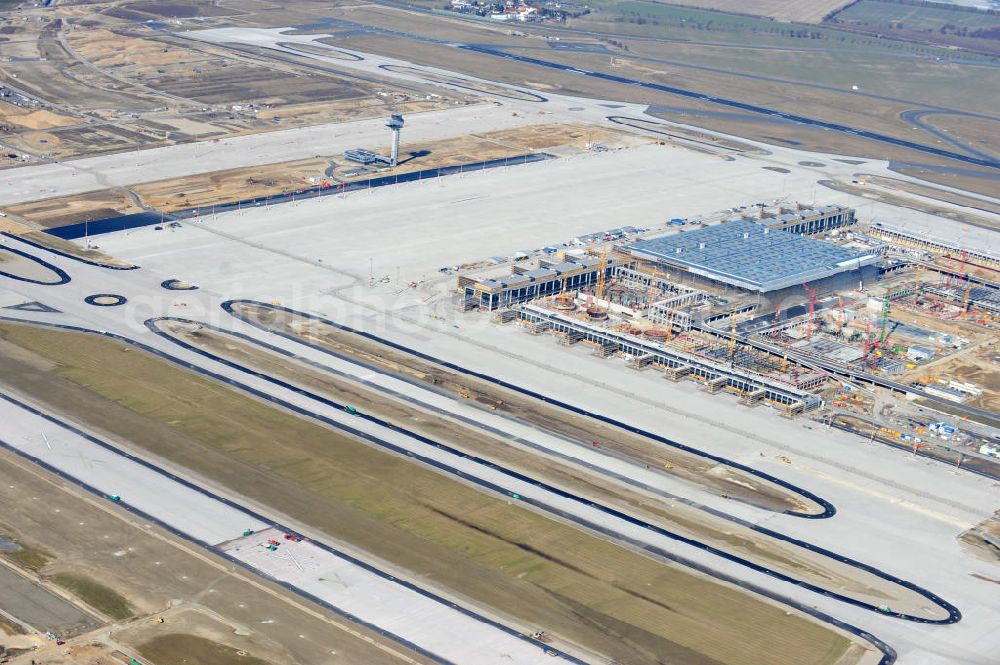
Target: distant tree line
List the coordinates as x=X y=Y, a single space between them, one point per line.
x=939 y=5
x=928 y=4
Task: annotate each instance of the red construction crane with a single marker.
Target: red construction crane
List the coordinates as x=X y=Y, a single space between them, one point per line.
x=812 y=309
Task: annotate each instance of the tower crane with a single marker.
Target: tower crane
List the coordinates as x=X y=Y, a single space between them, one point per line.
x=602 y=268
x=732 y=339
x=812 y=309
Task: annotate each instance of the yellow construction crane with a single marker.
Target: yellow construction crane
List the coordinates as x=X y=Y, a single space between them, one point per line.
x=732 y=338
x=602 y=267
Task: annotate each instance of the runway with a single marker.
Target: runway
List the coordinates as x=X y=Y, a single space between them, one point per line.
x=371 y=597
x=145 y=294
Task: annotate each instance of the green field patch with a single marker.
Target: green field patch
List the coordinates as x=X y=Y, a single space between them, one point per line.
x=489 y=549
x=185 y=649
x=95 y=594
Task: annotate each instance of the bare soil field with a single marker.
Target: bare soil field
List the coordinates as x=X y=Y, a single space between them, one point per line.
x=156 y=89
x=27 y=118
x=70 y=142
x=677 y=517
x=272 y=179
x=545 y=573
x=52 y=74
x=977 y=368
x=197 y=594
x=182 y=8
x=231 y=185
x=59 y=211
x=959 y=266
x=200 y=76
x=322 y=112
x=981 y=540
x=803 y=11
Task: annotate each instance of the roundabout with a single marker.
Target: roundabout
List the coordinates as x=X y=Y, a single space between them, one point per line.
x=105 y=300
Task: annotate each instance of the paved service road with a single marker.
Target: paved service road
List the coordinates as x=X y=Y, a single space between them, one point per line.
x=41 y=609
x=399 y=610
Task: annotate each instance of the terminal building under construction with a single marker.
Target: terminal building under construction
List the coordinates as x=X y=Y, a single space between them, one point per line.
x=655 y=302
x=755 y=259
x=768 y=260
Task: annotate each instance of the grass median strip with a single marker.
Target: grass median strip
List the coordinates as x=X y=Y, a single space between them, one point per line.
x=545 y=573
x=101 y=598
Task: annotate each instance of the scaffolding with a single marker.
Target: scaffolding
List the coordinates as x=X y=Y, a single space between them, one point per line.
x=678 y=362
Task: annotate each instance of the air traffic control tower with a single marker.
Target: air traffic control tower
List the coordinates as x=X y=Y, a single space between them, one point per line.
x=395 y=123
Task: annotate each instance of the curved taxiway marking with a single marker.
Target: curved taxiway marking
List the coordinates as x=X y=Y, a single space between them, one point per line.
x=916 y=117
x=255 y=515
x=465 y=84
x=828 y=509
x=888 y=653
x=177 y=285
x=732 y=103
x=61 y=275
x=105 y=300
x=953 y=613
x=67 y=255
x=324 y=51
x=661 y=128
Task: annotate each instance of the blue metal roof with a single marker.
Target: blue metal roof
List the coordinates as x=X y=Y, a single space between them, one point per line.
x=751 y=255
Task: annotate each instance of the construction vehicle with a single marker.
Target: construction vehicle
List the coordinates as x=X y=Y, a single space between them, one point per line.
x=351 y=410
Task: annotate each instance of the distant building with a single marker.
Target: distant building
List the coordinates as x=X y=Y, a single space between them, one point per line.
x=812 y=220
x=362 y=156
x=946 y=393
x=754 y=258
x=919 y=354
x=549 y=278
x=923 y=240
